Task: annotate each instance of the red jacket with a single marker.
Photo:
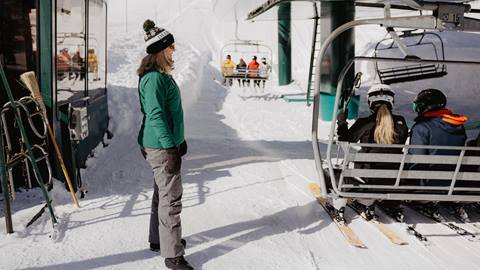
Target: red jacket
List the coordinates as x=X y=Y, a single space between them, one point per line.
x=253 y=68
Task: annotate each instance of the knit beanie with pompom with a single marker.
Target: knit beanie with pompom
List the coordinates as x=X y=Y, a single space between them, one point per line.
x=156 y=38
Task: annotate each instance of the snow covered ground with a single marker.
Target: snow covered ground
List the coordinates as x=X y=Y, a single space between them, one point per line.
x=246 y=203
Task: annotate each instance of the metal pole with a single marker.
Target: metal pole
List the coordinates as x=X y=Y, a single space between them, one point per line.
x=19 y=121
x=284 y=45
x=126 y=16
x=3 y=179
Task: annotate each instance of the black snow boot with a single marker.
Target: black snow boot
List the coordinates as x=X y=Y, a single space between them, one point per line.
x=156 y=247
x=178 y=263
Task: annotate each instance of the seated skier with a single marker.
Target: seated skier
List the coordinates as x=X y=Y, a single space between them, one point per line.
x=436 y=125
x=381 y=127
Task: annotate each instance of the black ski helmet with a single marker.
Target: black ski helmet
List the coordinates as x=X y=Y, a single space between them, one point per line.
x=428 y=100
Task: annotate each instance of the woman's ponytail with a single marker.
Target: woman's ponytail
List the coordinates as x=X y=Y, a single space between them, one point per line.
x=385 y=129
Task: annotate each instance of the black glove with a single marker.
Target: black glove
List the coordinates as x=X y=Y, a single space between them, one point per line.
x=182 y=148
x=342 y=116
x=174 y=161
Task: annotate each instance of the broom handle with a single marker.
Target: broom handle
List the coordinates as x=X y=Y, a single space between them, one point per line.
x=62 y=164
x=31 y=84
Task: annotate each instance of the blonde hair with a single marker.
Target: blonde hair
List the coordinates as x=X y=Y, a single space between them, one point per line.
x=385 y=129
x=160 y=61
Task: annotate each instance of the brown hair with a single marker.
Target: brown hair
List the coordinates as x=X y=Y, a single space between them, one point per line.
x=159 y=61
x=385 y=129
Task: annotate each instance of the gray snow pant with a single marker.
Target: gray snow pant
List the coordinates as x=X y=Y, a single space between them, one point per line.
x=165 y=225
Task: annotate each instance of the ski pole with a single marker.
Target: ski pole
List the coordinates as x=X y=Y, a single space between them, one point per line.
x=30 y=81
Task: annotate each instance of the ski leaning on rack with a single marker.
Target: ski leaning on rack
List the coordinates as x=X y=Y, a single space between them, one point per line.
x=410 y=228
x=392 y=236
x=346 y=231
x=457 y=229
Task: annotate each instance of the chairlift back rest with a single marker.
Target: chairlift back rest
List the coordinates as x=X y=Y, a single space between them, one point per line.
x=412 y=159
x=449 y=172
x=411 y=73
x=243 y=73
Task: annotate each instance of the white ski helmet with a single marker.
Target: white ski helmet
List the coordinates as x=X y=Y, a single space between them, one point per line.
x=380 y=94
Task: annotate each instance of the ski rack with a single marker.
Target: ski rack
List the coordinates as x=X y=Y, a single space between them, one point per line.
x=29 y=152
x=415 y=71
x=449 y=17
x=22 y=157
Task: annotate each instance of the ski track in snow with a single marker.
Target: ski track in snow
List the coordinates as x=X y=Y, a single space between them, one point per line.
x=246 y=205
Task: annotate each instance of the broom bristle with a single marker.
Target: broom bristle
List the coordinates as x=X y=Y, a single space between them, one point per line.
x=30 y=81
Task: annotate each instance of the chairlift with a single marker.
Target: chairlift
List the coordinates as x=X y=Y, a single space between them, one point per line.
x=338 y=178
x=421 y=42
x=245 y=49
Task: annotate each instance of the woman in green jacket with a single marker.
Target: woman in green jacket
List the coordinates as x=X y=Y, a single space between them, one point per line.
x=162 y=141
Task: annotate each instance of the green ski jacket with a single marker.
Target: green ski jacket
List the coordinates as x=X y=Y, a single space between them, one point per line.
x=161 y=105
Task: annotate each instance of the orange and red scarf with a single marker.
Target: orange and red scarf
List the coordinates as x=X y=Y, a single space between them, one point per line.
x=448 y=117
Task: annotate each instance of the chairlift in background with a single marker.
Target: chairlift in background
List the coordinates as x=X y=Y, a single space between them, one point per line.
x=245 y=49
x=420 y=43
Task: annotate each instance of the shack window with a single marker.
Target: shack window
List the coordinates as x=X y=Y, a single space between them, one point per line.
x=97 y=21
x=18 y=43
x=70 y=50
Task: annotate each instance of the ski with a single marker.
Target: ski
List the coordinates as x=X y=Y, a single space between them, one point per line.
x=392 y=236
x=347 y=232
x=410 y=228
x=455 y=228
x=474 y=226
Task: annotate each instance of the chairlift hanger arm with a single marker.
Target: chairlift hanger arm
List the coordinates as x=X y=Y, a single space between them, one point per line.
x=270 y=4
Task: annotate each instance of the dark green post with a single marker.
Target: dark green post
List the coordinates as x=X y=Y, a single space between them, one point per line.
x=3 y=179
x=46 y=48
x=47 y=73
x=284 y=45
x=333 y=15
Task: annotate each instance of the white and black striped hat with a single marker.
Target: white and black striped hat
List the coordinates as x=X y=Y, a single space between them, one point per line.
x=156 y=38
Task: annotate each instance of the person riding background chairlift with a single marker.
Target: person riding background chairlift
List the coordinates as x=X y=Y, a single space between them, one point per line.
x=436 y=125
x=242 y=70
x=253 y=71
x=381 y=127
x=228 y=67
x=263 y=71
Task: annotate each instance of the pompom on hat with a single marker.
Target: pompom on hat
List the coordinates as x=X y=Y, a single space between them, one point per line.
x=156 y=38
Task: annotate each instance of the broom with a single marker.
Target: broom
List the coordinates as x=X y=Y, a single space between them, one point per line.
x=30 y=81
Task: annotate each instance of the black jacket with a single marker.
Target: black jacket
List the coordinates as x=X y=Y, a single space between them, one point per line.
x=363 y=130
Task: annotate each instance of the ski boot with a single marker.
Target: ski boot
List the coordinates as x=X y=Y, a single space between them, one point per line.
x=460 y=213
x=396 y=213
x=432 y=210
x=337 y=214
x=367 y=212
x=393 y=209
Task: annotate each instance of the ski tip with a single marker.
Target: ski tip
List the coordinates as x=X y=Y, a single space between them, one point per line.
x=314 y=188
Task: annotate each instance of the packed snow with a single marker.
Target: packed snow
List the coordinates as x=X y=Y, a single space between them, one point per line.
x=246 y=204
